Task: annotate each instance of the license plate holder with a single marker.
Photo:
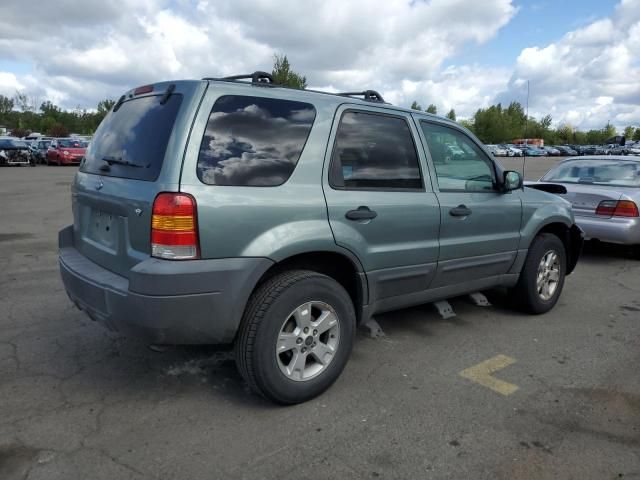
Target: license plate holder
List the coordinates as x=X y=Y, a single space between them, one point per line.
x=102 y=228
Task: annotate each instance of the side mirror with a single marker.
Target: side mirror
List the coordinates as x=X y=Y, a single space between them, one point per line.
x=511 y=181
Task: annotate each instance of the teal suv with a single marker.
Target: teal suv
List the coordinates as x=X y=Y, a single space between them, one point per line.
x=234 y=211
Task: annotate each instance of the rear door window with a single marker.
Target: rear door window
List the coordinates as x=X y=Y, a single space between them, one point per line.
x=374 y=151
x=132 y=141
x=253 y=141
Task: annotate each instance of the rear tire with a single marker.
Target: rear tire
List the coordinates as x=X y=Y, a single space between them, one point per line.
x=276 y=356
x=542 y=277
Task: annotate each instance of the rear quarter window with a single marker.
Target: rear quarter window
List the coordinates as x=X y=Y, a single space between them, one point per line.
x=253 y=141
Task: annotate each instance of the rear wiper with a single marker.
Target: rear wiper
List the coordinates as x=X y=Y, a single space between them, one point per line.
x=120 y=161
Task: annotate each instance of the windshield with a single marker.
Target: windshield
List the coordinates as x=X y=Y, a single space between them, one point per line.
x=137 y=133
x=597 y=172
x=70 y=143
x=10 y=143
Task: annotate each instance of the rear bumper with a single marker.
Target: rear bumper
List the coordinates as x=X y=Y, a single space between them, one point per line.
x=163 y=302
x=70 y=160
x=614 y=230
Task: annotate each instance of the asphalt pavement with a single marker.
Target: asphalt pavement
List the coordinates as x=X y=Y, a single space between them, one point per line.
x=488 y=394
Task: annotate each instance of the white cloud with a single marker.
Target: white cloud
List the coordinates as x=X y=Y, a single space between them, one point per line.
x=402 y=48
x=588 y=77
x=9 y=84
x=101 y=49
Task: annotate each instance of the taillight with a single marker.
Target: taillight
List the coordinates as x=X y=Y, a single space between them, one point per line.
x=620 y=208
x=606 y=208
x=174 y=228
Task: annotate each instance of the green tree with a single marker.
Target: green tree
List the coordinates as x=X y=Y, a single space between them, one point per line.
x=451 y=115
x=416 y=106
x=468 y=124
x=432 y=109
x=284 y=75
x=594 y=137
x=608 y=131
x=6 y=105
x=59 y=130
x=22 y=101
x=636 y=135
x=628 y=131
x=564 y=133
x=579 y=138
x=104 y=106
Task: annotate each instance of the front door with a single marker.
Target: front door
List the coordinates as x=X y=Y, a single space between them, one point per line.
x=480 y=228
x=380 y=201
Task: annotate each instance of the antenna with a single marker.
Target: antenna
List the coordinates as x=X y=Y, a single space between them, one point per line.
x=526 y=125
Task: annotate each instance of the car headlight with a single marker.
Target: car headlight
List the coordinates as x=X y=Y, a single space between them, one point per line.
x=65 y=153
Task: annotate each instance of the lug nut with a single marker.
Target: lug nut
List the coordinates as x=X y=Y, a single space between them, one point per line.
x=299 y=341
x=315 y=332
x=304 y=349
x=306 y=329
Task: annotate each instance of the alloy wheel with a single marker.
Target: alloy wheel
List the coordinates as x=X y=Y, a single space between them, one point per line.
x=308 y=341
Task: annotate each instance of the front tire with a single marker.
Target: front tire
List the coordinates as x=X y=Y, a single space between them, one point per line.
x=542 y=277
x=296 y=336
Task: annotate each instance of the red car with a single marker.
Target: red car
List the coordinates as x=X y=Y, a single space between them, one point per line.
x=66 y=151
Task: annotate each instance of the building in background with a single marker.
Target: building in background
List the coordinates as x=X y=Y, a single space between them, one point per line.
x=536 y=142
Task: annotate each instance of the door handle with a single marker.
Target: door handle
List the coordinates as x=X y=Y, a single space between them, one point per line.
x=362 y=213
x=460 y=211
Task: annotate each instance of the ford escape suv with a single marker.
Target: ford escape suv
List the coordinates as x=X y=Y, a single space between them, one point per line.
x=224 y=211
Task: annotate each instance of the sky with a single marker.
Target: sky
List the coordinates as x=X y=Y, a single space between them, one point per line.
x=580 y=57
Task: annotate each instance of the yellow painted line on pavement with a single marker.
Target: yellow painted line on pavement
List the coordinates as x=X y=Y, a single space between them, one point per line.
x=481 y=373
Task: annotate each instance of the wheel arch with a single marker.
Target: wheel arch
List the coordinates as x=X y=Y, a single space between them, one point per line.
x=571 y=237
x=341 y=266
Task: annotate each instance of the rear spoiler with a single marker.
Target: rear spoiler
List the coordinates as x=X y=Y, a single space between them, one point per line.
x=547 y=187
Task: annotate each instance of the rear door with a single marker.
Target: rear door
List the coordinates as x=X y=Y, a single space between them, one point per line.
x=480 y=227
x=136 y=153
x=380 y=201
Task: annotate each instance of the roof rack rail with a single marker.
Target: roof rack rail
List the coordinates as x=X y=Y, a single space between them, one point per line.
x=256 y=77
x=369 y=95
x=266 y=79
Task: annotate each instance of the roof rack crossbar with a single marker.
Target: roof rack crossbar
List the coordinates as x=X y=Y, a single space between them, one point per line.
x=256 y=77
x=369 y=95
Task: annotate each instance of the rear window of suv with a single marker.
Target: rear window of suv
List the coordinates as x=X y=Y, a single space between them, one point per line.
x=253 y=141
x=131 y=142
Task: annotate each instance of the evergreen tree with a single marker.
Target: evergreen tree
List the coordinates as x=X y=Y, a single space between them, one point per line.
x=284 y=75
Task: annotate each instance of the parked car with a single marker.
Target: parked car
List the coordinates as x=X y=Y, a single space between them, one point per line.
x=512 y=151
x=593 y=150
x=631 y=148
x=604 y=193
x=566 y=150
x=577 y=148
x=14 y=151
x=33 y=136
x=67 y=151
x=551 y=151
x=497 y=151
x=39 y=149
x=615 y=149
x=533 y=152
x=276 y=220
